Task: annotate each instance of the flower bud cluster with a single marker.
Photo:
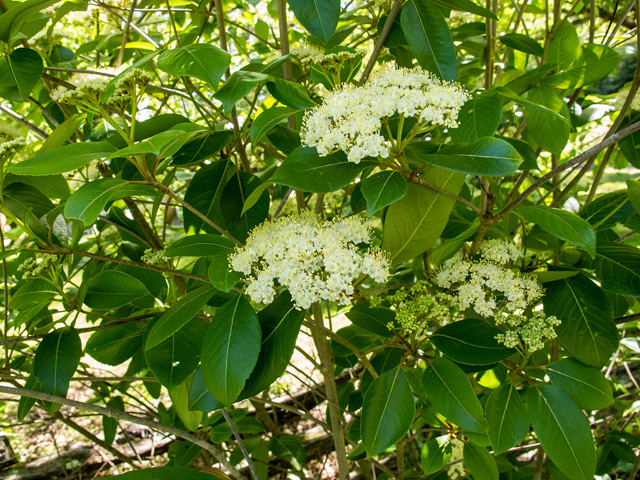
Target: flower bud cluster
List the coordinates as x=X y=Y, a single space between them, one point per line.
x=157 y=258
x=33 y=267
x=315 y=259
x=10 y=141
x=350 y=119
x=312 y=55
x=481 y=283
x=530 y=333
x=456 y=468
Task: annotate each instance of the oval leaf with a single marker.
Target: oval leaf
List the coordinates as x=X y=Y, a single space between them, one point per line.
x=480 y=462
x=318 y=17
x=112 y=289
x=267 y=120
x=383 y=189
x=586 y=385
x=56 y=360
x=117 y=344
x=522 y=43
x=507 y=417
x=375 y=320
x=203 y=61
x=19 y=73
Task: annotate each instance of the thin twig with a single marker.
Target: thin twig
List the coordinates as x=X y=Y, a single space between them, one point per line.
x=245 y=454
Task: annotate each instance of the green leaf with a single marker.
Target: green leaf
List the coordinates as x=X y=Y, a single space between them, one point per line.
x=230 y=350
x=487 y=156
x=173 y=360
x=507 y=418
x=203 y=245
x=202 y=146
x=552 y=276
x=562 y=224
x=162 y=145
x=56 y=360
x=595 y=63
x=180 y=402
x=26 y=403
x=449 y=249
x=563 y=431
x=479 y=462
x=87 y=203
x=237 y=86
x=177 y=316
x=318 y=17
x=479 y=117
x=21 y=199
x=630 y=148
x=522 y=43
x=17 y=13
x=511 y=96
x=111 y=289
x=62 y=133
x=375 y=320
x=203 y=61
x=358 y=337
x=429 y=36
x=52 y=186
x=305 y=170
x=63 y=159
x=633 y=188
x=587 y=331
x=435 y=455
x=382 y=189
x=280 y=324
x=618 y=268
x=291 y=94
x=19 y=73
x=387 y=411
x=564 y=47
x=199 y=397
x=607 y=210
x=36 y=290
x=290 y=449
x=415 y=222
x=586 y=385
x=267 y=120
x=471 y=341
x=450 y=391
x=115 y=345
x=166 y=473
x=465 y=6
x=221 y=275
x=548 y=131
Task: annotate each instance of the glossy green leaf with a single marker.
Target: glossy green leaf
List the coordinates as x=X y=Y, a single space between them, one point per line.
x=21 y=199
x=63 y=159
x=429 y=36
x=203 y=61
x=305 y=170
x=587 y=331
x=203 y=245
x=562 y=224
x=88 y=202
x=387 y=411
x=382 y=189
x=173 y=319
x=112 y=289
x=563 y=431
x=356 y=336
x=202 y=146
x=52 y=186
x=618 y=268
x=522 y=43
x=548 y=131
x=57 y=357
x=450 y=391
x=435 y=455
x=291 y=94
x=479 y=462
x=267 y=120
x=166 y=473
x=62 y=133
x=564 y=47
x=25 y=404
x=19 y=73
x=237 y=86
x=487 y=156
x=471 y=341
x=607 y=210
x=595 y=63
x=230 y=350
x=510 y=96
x=162 y=145
x=318 y=17
x=465 y=6
x=479 y=117
x=17 y=13
x=280 y=324
x=35 y=290
x=290 y=449
x=415 y=222
x=586 y=385
x=507 y=418
x=633 y=188
x=180 y=401
x=630 y=148
x=199 y=397
x=173 y=360
x=117 y=344
x=375 y=320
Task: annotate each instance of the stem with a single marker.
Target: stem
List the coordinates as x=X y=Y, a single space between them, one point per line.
x=6 y=298
x=485 y=222
x=125 y=34
x=327 y=367
x=400 y=458
x=110 y=412
x=449 y=194
x=245 y=454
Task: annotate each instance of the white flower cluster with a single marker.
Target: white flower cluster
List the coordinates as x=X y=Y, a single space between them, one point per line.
x=310 y=54
x=307 y=54
x=315 y=259
x=478 y=282
x=456 y=468
x=33 y=267
x=351 y=117
x=528 y=332
x=10 y=140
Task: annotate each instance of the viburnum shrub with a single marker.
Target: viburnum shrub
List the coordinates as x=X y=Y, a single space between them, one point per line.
x=442 y=196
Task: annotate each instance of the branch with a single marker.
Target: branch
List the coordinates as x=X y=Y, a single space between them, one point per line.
x=110 y=412
x=18 y=118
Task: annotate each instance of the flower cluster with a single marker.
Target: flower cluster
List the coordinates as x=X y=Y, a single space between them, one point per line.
x=311 y=55
x=315 y=259
x=307 y=54
x=157 y=258
x=33 y=267
x=10 y=141
x=350 y=119
x=530 y=333
x=479 y=283
x=456 y=468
